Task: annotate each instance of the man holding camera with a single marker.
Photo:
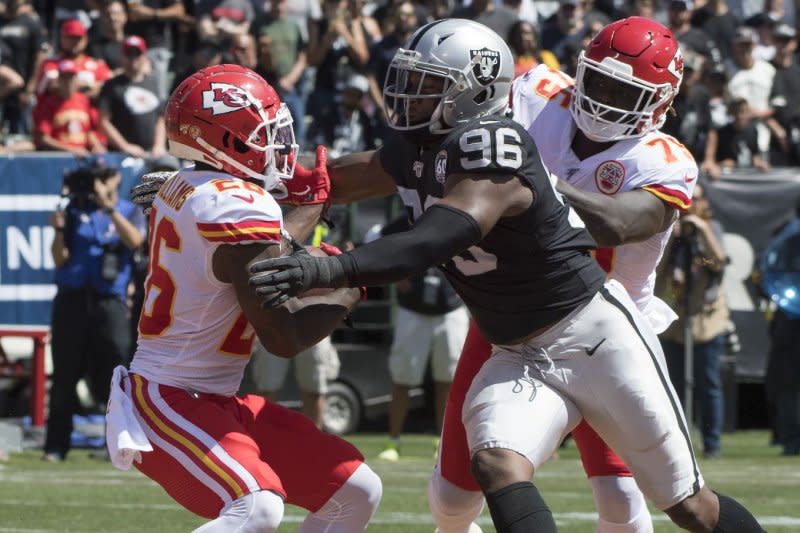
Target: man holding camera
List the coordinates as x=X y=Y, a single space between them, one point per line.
x=95 y=236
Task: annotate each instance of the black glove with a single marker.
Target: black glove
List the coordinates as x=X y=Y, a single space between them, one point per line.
x=281 y=278
x=144 y=192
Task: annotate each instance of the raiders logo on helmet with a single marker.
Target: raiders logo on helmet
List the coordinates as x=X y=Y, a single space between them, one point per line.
x=488 y=66
x=225 y=98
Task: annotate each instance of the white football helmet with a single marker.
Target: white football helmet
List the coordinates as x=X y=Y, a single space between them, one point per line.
x=473 y=65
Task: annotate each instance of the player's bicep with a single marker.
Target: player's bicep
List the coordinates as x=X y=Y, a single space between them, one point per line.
x=487 y=197
x=359 y=176
x=644 y=214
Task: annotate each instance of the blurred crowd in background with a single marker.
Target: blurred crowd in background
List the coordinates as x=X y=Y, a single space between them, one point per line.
x=88 y=76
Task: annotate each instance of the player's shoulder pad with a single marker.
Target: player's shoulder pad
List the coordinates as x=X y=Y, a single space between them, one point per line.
x=232 y=210
x=665 y=168
x=493 y=143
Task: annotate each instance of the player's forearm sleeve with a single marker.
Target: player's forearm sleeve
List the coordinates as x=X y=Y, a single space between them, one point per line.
x=439 y=234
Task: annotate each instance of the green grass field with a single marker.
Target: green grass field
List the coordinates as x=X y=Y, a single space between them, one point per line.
x=89 y=496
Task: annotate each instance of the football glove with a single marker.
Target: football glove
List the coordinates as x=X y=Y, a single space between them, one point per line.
x=307 y=187
x=144 y=192
x=281 y=278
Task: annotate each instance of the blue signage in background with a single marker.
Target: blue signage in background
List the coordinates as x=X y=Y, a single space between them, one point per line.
x=30 y=188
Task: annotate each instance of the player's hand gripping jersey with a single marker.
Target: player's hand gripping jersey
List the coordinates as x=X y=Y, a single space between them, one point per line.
x=529 y=270
x=654 y=162
x=192 y=332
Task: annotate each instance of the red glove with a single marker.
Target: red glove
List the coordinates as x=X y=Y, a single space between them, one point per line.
x=329 y=249
x=309 y=187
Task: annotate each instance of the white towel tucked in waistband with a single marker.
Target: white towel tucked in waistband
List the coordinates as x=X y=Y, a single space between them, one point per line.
x=124 y=435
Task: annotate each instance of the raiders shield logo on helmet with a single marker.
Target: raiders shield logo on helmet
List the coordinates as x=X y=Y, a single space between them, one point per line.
x=487 y=67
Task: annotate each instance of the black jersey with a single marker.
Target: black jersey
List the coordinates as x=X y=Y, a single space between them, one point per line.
x=531 y=269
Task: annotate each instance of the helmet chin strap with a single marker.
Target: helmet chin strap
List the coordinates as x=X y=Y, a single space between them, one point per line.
x=267 y=182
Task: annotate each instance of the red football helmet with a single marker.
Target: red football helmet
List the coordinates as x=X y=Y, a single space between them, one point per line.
x=228 y=117
x=626 y=80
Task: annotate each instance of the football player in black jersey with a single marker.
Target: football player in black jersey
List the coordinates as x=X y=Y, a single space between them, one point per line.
x=566 y=345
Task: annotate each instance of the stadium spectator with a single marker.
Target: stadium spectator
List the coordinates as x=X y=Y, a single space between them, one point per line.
x=107 y=34
x=95 y=236
x=751 y=79
x=402 y=20
x=431 y=324
x=26 y=37
x=63 y=10
x=524 y=44
x=573 y=45
x=715 y=79
x=265 y=66
x=10 y=80
x=692 y=118
x=290 y=60
x=155 y=21
x=205 y=54
x=785 y=97
x=314 y=369
x=345 y=127
x=222 y=19
x=696 y=250
x=489 y=13
x=679 y=15
x=565 y=25
x=387 y=15
x=763 y=24
x=735 y=144
x=131 y=114
x=303 y=12
x=72 y=43
x=645 y=8
x=719 y=23
x=66 y=119
x=242 y=51
x=338 y=46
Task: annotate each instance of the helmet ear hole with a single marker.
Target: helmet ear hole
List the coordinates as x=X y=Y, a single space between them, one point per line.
x=239 y=146
x=481 y=97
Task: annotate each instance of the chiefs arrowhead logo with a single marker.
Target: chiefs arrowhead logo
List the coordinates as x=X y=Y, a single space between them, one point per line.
x=226 y=98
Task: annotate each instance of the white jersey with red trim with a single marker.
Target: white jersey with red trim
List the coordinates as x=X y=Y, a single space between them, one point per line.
x=192 y=332
x=655 y=162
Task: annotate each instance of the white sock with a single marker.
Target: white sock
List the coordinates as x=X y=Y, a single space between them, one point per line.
x=257 y=512
x=350 y=508
x=620 y=505
x=453 y=508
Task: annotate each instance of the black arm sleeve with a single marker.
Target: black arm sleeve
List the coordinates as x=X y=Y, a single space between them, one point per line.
x=439 y=234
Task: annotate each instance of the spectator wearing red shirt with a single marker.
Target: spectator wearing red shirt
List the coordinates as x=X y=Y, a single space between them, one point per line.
x=65 y=119
x=72 y=42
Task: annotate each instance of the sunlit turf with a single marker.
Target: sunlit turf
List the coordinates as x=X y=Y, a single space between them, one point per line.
x=87 y=495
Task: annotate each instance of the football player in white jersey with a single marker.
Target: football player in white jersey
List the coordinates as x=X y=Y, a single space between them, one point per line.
x=463 y=170
x=232 y=460
x=627 y=180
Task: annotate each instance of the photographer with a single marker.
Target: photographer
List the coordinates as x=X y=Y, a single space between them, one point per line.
x=692 y=269
x=95 y=236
